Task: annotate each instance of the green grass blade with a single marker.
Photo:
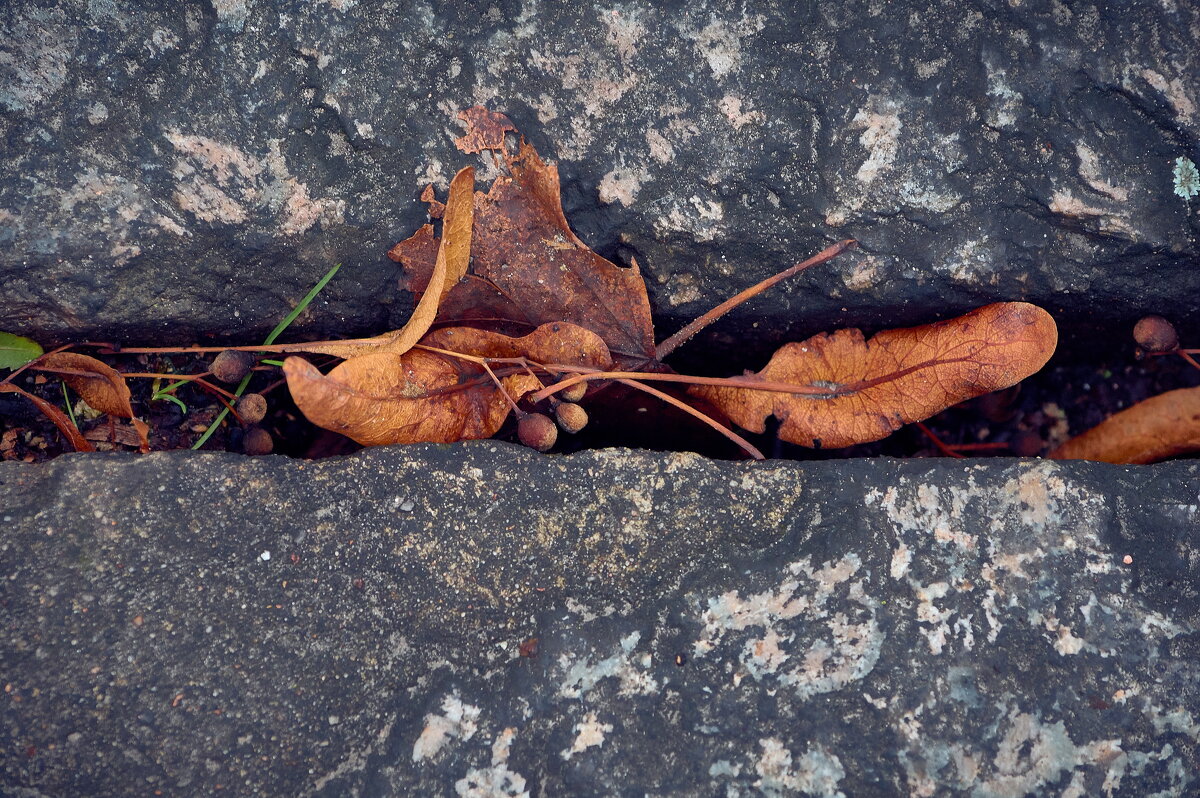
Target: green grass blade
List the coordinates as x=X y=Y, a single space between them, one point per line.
x=221 y=416
x=309 y=297
x=279 y=328
x=67 y=402
x=16 y=351
x=172 y=398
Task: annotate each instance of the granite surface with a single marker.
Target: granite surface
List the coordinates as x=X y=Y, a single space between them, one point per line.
x=479 y=620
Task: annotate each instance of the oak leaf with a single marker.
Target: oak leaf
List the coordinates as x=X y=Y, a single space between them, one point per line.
x=433 y=396
x=528 y=268
x=870 y=388
x=1162 y=426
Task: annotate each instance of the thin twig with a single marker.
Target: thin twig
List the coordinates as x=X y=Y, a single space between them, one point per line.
x=198 y=379
x=943 y=448
x=671 y=344
x=1191 y=360
x=745 y=445
x=745 y=383
x=503 y=391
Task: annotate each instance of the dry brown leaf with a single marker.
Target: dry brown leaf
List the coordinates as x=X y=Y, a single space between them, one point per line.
x=436 y=208
x=421 y=395
x=100 y=385
x=895 y=378
x=58 y=417
x=1162 y=426
x=528 y=268
x=418 y=396
x=485 y=130
x=556 y=342
x=450 y=264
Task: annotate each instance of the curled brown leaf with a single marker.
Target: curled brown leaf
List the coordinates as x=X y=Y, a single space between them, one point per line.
x=99 y=384
x=419 y=396
x=1162 y=426
x=873 y=387
x=450 y=264
x=56 y=416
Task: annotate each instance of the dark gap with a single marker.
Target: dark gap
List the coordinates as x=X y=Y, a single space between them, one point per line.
x=1067 y=397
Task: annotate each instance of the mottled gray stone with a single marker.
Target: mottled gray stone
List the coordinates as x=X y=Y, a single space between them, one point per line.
x=353 y=627
x=188 y=169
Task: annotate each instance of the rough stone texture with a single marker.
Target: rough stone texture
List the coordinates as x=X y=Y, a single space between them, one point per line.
x=190 y=168
x=353 y=627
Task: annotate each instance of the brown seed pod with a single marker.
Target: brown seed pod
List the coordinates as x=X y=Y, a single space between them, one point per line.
x=232 y=366
x=1155 y=334
x=252 y=408
x=537 y=432
x=571 y=417
x=574 y=393
x=257 y=441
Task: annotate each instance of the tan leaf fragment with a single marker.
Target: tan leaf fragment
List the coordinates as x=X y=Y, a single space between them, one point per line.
x=451 y=263
x=557 y=342
x=1162 y=426
x=897 y=377
x=437 y=209
x=99 y=384
x=485 y=129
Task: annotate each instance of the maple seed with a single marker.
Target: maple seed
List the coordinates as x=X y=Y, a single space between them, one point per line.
x=231 y=365
x=537 y=432
x=571 y=417
x=1155 y=334
x=257 y=441
x=573 y=393
x=252 y=408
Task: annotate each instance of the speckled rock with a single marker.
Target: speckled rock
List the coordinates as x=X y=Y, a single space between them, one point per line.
x=188 y=169
x=478 y=620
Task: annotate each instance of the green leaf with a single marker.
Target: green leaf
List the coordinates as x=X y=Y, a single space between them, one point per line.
x=16 y=351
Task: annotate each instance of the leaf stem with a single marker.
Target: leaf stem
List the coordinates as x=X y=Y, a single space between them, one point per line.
x=724 y=382
x=685 y=407
x=671 y=344
x=502 y=389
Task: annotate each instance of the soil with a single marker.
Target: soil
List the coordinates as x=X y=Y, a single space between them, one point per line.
x=1027 y=420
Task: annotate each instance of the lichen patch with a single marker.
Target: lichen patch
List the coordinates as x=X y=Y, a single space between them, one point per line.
x=218 y=183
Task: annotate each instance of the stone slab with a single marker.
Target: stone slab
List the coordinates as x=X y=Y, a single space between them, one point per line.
x=199 y=622
x=186 y=170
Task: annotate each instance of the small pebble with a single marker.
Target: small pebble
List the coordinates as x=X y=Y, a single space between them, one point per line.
x=1127 y=560
x=407 y=507
x=266 y=555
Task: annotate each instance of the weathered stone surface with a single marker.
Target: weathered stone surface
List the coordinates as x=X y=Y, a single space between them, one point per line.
x=354 y=627
x=189 y=168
